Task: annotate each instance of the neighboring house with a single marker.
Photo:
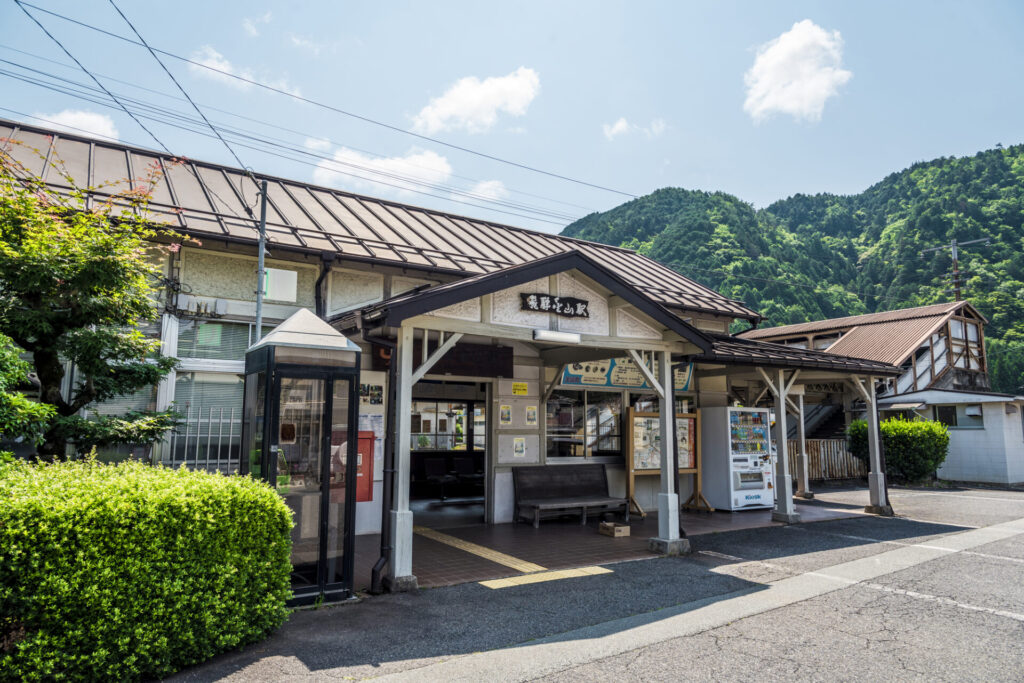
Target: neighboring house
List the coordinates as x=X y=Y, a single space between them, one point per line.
x=941 y=351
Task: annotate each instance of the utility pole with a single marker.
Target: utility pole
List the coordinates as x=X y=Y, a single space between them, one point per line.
x=260 y=271
x=954 y=248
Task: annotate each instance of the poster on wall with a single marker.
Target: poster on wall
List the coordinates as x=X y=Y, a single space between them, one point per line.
x=620 y=373
x=371 y=395
x=519 y=447
x=647 y=442
x=520 y=388
x=531 y=416
x=505 y=415
x=686 y=434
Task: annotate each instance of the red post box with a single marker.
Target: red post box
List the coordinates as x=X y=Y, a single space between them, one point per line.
x=364 y=467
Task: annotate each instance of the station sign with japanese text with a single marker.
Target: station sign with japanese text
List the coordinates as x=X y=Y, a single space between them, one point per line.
x=565 y=306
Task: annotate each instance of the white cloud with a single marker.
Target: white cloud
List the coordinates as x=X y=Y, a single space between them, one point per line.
x=209 y=57
x=796 y=73
x=489 y=189
x=81 y=122
x=378 y=172
x=251 y=26
x=308 y=44
x=473 y=105
x=613 y=130
x=317 y=144
x=624 y=127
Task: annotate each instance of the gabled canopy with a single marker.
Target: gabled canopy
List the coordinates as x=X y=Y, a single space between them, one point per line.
x=391 y=312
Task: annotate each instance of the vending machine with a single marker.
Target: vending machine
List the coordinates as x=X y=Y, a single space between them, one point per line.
x=738 y=463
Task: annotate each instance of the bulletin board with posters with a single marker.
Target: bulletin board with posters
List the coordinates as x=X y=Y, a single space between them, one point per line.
x=644 y=453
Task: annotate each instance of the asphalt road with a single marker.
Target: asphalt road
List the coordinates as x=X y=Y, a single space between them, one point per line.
x=936 y=593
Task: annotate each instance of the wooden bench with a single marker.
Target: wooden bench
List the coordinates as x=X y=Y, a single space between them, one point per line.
x=557 y=489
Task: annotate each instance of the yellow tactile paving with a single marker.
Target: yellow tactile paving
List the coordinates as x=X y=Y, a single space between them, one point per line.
x=545 y=576
x=479 y=550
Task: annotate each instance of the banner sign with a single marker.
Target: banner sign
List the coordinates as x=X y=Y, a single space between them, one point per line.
x=565 y=306
x=618 y=373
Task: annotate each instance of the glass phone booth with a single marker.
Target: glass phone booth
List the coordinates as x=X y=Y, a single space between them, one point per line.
x=299 y=434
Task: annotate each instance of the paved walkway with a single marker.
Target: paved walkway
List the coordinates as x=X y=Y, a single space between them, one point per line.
x=933 y=595
x=478 y=552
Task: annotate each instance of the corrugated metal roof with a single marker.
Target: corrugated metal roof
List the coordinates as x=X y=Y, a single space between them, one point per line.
x=737 y=351
x=889 y=342
x=210 y=200
x=852 y=321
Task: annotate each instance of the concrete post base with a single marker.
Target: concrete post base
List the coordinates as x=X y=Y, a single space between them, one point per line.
x=401 y=584
x=805 y=494
x=670 y=547
x=786 y=517
x=883 y=510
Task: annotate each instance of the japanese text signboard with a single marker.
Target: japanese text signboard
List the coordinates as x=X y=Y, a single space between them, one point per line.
x=565 y=306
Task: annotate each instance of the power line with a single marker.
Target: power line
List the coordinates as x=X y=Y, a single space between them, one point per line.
x=159 y=114
x=89 y=73
x=334 y=109
x=185 y=93
x=272 y=125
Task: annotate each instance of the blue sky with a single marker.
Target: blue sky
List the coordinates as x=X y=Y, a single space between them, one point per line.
x=762 y=100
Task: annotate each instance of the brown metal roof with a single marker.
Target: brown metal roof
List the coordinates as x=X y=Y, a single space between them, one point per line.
x=831 y=324
x=210 y=200
x=887 y=337
x=736 y=351
x=889 y=342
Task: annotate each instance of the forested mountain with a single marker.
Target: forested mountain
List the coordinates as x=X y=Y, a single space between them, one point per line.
x=822 y=256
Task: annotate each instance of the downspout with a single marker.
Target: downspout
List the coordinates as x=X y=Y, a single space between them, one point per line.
x=377 y=573
x=318 y=289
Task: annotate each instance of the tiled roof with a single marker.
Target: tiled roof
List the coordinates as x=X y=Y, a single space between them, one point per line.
x=205 y=199
x=851 y=321
x=736 y=351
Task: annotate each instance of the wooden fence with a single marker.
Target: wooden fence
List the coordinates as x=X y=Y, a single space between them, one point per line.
x=826 y=459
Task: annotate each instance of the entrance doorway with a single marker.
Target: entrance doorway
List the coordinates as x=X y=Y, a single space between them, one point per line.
x=448 y=447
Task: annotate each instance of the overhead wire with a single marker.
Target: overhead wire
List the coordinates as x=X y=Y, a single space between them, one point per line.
x=176 y=119
x=275 y=126
x=337 y=110
x=199 y=111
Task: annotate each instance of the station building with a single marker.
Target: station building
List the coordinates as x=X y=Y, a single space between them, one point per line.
x=481 y=348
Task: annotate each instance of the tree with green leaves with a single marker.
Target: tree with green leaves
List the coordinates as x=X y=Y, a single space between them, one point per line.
x=20 y=418
x=76 y=281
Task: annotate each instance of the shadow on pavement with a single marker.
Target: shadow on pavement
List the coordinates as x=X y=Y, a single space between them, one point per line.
x=389 y=633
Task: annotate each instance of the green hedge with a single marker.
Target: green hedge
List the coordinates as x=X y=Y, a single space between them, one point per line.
x=914 y=449
x=114 y=572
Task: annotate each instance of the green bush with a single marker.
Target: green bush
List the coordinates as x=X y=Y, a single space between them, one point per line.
x=113 y=572
x=914 y=449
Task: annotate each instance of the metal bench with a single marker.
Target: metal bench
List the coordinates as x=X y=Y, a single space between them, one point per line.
x=555 y=490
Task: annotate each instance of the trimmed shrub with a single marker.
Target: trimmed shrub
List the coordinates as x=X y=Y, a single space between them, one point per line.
x=914 y=449
x=114 y=572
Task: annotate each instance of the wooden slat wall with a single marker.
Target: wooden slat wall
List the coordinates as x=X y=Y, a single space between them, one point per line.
x=827 y=459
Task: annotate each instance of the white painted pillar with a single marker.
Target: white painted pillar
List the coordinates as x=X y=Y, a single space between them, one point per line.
x=803 y=474
x=165 y=388
x=400 y=565
x=876 y=477
x=784 y=509
x=668 y=499
x=668 y=541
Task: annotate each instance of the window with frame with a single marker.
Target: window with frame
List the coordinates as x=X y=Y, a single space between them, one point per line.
x=584 y=424
x=945 y=414
x=965 y=344
x=216 y=339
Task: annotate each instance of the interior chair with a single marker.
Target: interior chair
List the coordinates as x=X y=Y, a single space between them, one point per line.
x=438 y=474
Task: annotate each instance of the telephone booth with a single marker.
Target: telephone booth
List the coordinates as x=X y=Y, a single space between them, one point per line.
x=299 y=433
